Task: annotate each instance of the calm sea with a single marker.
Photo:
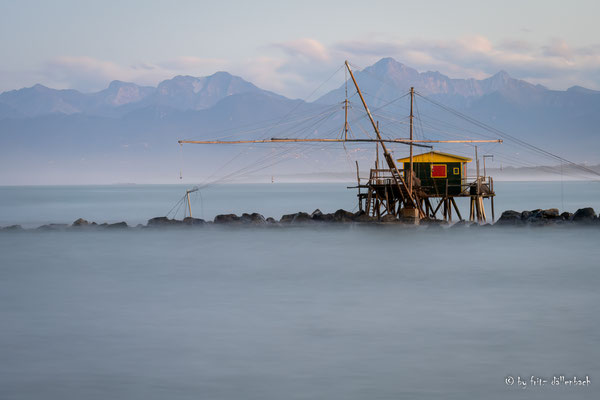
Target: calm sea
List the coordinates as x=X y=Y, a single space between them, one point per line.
x=296 y=313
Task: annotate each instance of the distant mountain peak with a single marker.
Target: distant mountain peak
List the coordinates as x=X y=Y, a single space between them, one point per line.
x=182 y=78
x=220 y=74
x=392 y=77
x=388 y=62
x=581 y=89
x=39 y=87
x=390 y=65
x=502 y=74
x=116 y=84
x=119 y=93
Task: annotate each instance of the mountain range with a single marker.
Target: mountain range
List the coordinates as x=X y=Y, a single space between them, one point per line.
x=119 y=98
x=128 y=132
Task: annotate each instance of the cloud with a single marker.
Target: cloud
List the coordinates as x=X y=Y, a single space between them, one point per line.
x=268 y=73
x=293 y=68
x=558 y=48
x=83 y=72
x=189 y=63
x=308 y=49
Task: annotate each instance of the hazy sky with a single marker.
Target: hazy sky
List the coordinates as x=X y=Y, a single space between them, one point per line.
x=292 y=46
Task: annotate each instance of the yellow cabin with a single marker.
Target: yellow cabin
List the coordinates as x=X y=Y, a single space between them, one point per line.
x=439 y=173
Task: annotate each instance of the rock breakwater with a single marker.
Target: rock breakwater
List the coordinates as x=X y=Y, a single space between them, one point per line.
x=548 y=217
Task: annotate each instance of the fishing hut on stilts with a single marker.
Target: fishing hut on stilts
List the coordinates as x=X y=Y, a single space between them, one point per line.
x=419 y=187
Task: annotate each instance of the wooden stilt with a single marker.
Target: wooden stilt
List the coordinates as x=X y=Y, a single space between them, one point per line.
x=387 y=201
x=482 y=209
x=472 y=209
x=428 y=208
x=456 y=208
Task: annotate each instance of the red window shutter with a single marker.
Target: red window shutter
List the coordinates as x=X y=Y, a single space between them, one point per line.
x=438 y=171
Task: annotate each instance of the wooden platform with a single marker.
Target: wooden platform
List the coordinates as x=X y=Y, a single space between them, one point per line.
x=382 y=195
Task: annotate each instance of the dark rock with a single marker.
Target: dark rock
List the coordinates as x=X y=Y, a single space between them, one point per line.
x=462 y=224
x=13 y=228
x=301 y=217
x=541 y=217
x=271 y=220
x=117 y=225
x=389 y=218
x=163 y=221
x=81 y=222
x=193 y=221
x=317 y=215
x=53 y=227
x=363 y=217
x=550 y=213
x=510 y=217
x=227 y=219
x=584 y=215
x=566 y=216
x=254 y=218
x=343 y=216
x=287 y=218
x=531 y=216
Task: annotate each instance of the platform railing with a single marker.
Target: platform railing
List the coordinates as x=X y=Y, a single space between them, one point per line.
x=382 y=177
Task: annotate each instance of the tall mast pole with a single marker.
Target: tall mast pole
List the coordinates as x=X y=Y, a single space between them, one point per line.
x=410 y=179
x=386 y=153
x=377 y=151
x=346 y=119
x=346 y=109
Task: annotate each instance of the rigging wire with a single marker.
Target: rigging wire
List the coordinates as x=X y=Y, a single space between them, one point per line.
x=508 y=136
x=304 y=101
x=309 y=124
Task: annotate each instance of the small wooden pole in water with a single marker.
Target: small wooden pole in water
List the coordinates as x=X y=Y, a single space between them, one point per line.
x=492 y=199
x=358 y=180
x=187 y=192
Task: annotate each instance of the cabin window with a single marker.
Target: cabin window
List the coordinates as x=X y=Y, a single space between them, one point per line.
x=456 y=171
x=438 y=171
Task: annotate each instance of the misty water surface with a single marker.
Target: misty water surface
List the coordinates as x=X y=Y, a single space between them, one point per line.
x=298 y=313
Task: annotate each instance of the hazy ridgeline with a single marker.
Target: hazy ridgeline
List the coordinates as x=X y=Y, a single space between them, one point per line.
x=299 y=313
x=129 y=133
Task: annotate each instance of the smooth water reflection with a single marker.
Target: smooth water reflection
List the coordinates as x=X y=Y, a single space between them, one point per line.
x=297 y=313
